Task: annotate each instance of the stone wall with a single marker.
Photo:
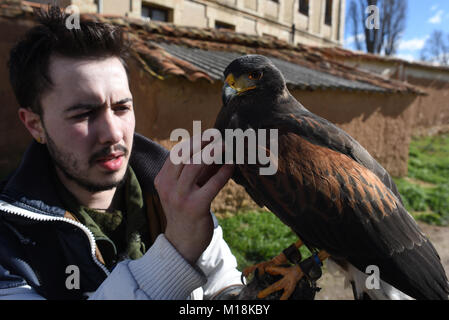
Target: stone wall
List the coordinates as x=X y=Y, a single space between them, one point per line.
x=259 y=17
x=87 y=6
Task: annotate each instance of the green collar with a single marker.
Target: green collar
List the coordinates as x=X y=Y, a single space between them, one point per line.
x=120 y=234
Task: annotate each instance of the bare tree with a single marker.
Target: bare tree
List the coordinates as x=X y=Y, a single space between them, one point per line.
x=436 y=48
x=384 y=36
x=354 y=18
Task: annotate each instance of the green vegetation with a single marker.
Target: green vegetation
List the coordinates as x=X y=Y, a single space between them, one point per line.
x=257 y=236
x=425 y=190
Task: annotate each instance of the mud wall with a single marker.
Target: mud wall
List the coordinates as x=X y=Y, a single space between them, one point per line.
x=13 y=136
x=431 y=112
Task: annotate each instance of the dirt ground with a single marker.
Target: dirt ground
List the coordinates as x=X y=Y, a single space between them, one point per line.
x=332 y=287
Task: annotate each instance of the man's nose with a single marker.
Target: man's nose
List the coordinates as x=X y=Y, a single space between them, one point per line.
x=109 y=131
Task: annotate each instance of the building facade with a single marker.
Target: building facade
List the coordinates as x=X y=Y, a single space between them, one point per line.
x=312 y=22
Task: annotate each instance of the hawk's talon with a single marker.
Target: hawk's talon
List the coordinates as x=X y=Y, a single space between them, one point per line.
x=291 y=277
x=281 y=259
x=261 y=267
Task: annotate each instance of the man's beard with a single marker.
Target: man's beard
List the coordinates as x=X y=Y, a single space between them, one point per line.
x=69 y=166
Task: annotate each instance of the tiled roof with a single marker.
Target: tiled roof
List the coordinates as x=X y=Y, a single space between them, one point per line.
x=165 y=50
x=334 y=52
x=297 y=76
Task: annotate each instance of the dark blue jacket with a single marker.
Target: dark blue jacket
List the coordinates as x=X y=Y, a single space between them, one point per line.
x=36 y=250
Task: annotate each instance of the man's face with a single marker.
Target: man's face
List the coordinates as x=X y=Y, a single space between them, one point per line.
x=89 y=122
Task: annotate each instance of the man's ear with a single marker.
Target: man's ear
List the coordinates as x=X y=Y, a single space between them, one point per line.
x=33 y=123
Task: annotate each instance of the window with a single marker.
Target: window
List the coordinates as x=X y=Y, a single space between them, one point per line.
x=304 y=7
x=328 y=13
x=156 y=13
x=223 y=25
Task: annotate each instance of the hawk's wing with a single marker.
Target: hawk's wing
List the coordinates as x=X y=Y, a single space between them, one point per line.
x=333 y=202
x=324 y=133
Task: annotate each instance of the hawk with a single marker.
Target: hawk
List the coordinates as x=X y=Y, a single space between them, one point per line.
x=329 y=190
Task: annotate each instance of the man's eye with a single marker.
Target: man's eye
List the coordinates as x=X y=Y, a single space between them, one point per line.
x=82 y=115
x=122 y=108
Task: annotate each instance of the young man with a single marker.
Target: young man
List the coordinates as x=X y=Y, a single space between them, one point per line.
x=94 y=209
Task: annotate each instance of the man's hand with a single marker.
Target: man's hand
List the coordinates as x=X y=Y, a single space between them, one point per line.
x=186 y=192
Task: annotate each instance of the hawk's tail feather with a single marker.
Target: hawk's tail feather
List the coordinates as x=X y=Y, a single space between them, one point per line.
x=360 y=287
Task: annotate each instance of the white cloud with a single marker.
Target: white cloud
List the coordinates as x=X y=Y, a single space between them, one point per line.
x=434 y=7
x=350 y=40
x=437 y=18
x=406 y=56
x=413 y=44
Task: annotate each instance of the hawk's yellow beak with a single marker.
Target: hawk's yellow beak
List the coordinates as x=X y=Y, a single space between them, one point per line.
x=240 y=85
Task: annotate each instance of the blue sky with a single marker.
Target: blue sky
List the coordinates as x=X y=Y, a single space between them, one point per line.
x=424 y=16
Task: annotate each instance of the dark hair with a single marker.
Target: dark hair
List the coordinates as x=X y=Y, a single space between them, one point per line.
x=29 y=58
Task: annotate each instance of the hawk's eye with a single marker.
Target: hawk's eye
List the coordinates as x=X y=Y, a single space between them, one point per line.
x=256 y=75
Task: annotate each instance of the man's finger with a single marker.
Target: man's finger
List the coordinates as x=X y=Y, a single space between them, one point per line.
x=206 y=173
x=185 y=152
x=211 y=188
x=188 y=178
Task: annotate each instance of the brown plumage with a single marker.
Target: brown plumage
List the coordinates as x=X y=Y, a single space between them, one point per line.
x=327 y=187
